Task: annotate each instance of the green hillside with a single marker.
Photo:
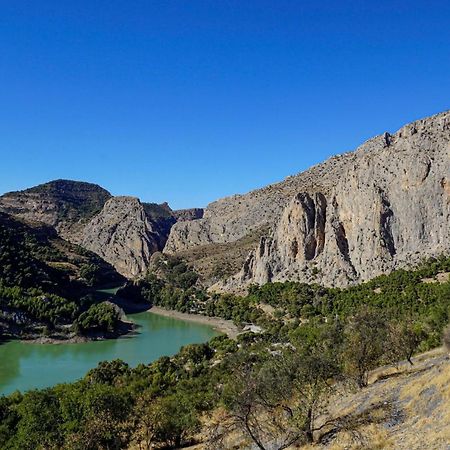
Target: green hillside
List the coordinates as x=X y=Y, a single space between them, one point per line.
x=45 y=282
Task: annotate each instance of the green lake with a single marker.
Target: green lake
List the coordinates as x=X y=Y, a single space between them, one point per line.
x=26 y=366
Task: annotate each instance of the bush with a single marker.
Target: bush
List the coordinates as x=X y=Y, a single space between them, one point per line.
x=102 y=317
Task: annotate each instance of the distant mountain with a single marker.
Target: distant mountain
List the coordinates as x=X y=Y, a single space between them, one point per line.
x=353 y=217
x=122 y=230
x=349 y=219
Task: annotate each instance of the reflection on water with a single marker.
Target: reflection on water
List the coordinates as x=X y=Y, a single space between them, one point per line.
x=26 y=366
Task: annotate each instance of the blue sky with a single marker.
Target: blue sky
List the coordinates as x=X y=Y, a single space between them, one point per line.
x=189 y=101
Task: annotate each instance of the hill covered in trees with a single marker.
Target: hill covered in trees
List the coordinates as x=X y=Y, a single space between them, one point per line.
x=47 y=284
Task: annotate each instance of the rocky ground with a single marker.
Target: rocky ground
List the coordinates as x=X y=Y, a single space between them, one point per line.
x=403 y=408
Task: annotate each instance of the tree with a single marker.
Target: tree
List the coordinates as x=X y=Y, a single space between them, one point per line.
x=177 y=419
x=253 y=410
x=446 y=338
x=404 y=338
x=107 y=372
x=102 y=415
x=314 y=377
x=161 y=421
x=365 y=343
x=40 y=417
x=8 y=418
x=90 y=273
x=276 y=403
x=102 y=317
x=147 y=418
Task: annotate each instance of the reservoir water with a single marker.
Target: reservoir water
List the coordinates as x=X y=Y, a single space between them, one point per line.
x=25 y=366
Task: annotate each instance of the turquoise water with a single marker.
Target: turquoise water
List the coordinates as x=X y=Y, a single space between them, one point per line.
x=26 y=366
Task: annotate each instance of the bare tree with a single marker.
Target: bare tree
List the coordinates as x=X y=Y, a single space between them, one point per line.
x=276 y=404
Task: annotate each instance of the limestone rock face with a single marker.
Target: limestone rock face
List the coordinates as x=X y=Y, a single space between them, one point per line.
x=121 y=230
x=387 y=207
x=123 y=235
x=232 y=218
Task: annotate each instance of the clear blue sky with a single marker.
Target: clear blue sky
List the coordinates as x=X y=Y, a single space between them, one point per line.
x=188 y=101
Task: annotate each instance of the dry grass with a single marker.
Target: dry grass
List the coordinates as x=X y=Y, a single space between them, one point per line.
x=214 y=262
x=372 y=437
x=403 y=408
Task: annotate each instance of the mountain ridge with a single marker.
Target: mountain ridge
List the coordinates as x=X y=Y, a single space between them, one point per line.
x=121 y=229
x=308 y=227
x=379 y=161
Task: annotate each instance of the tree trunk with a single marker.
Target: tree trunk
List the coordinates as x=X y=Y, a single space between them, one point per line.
x=308 y=427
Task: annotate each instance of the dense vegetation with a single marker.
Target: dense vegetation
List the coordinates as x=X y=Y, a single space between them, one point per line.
x=45 y=282
x=312 y=341
x=401 y=295
x=239 y=385
x=102 y=317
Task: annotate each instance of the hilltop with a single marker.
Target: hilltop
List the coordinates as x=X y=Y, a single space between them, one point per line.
x=122 y=230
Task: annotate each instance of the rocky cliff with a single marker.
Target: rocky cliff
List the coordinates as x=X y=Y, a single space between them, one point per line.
x=127 y=232
x=123 y=235
x=122 y=230
x=355 y=216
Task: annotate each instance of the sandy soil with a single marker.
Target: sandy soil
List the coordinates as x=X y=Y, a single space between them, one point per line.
x=224 y=326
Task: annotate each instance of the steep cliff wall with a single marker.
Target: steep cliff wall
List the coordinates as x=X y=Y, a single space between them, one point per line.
x=122 y=235
x=350 y=218
x=388 y=208
x=232 y=218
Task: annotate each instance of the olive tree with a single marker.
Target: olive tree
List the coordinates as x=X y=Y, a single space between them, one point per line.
x=365 y=344
x=276 y=403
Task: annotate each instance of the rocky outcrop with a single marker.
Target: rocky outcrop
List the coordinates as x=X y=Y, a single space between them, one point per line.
x=184 y=215
x=388 y=207
x=233 y=218
x=122 y=234
x=124 y=231
x=127 y=232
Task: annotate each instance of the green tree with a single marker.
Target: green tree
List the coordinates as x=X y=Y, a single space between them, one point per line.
x=366 y=342
x=405 y=338
x=39 y=423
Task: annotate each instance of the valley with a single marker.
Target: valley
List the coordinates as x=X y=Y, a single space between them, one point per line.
x=292 y=298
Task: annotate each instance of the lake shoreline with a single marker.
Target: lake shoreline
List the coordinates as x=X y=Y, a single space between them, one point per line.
x=26 y=366
x=223 y=326
x=128 y=330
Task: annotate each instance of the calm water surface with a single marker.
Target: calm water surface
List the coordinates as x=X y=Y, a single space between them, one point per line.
x=26 y=366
